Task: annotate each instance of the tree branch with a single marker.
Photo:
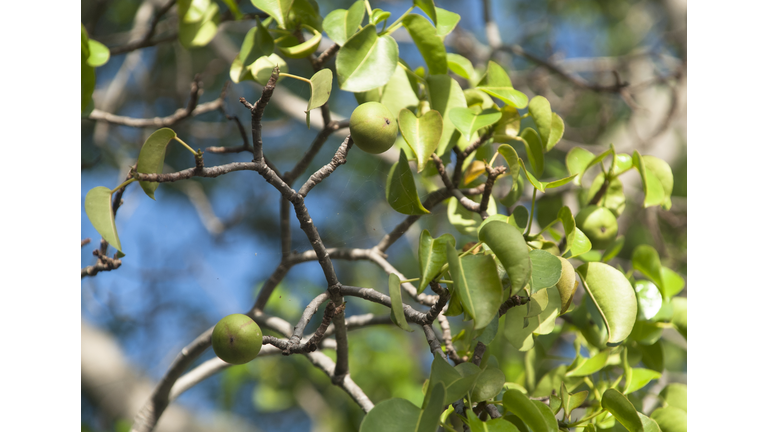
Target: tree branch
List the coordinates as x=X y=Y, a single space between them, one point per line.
x=340 y=158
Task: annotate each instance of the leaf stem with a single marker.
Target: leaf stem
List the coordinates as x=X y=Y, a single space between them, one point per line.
x=369 y=10
x=411 y=73
x=585 y=419
x=125 y=183
x=530 y=219
x=391 y=28
x=185 y=145
x=295 y=77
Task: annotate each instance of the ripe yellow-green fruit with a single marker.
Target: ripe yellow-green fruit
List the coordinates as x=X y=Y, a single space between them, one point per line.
x=373 y=127
x=566 y=285
x=236 y=339
x=598 y=224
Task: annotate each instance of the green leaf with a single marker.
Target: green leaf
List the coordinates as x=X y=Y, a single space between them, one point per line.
x=477 y=283
x=510 y=156
x=84 y=46
x=87 y=84
x=465 y=221
x=652 y=187
x=646 y=260
x=676 y=395
x=396 y=95
x=430 y=46
x=534 y=150
x=496 y=83
x=541 y=113
x=444 y=95
x=461 y=66
x=99 y=54
x=152 y=157
x=623 y=164
x=514 y=194
x=576 y=241
x=429 y=418
x=546 y=269
x=571 y=401
x=613 y=296
x=648 y=299
x=649 y=424
x=613 y=249
x=518 y=404
x=379 y=15
x=261 y=69
x=490 y=331
x=366 y=61
x=320 y=90
x=543 y=186
x=489 y=383
x=552 y=380
x=468 y=122
x=98 y=207
x=508 y=127
x=428 y=6
x=548 y=415
x=432 y=256
x=576 y=161
x=398 y=314
x=661 y=170
x=680 y=315
x=590 y=366
x=422 y=134
x=613 y=199
x=305 y=13
x=277 y=9
x=671 y=419
x=640 y=378
x=673 y=282
x=457 y=381
x=621 y=408
x=198 y=24
x=391 y=415
x=401 y=189
x=234 y=8
x=341 y=24
x=292 y=48
x=256 y=44
x=446 y=21
x=556 y=132
x=510 y=248
x=493 y=425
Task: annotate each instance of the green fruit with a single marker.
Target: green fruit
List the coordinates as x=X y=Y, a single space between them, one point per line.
x=598 y=224
x=566 y=285
x=236 y=339
x=373 y=127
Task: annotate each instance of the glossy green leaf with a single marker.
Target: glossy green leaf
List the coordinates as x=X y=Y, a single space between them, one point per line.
x=390 y=415
x=198 y=22
x=98 y=207
x=576 y=241
x=396 y=95
x=646 y=332
x=623 y=163
x=571 y=401
x=341 y=24
x=296 y=50
x=648 y=299
x=661 y=170
x=680 y=315
x=422 y=134
x=646 y=260
x=492 y=425
x=534 y=150
x=510 y=156
x=379 y=15
x=548 y=415
x=640 y=378
x=444 y=95
x=671 y=419
x=676 y=395
x=467 y=121
x=460 y=65
x=152 y=157
x=257 y=43
x=510 y=248
x=508 y=127
x=428 y=6
x=541 y=113
x=477 y=283
x=496 y=83
x=613 y=296
x=518 y=404
x=576 y=161
x=429 y=418
x=320 y=90
x=613 y=249
x=277 y=9
x=546 y=269
x=446 y=21
x=543 y=186
x=395 y=295
x=430 y=45
x=401 y=189
x=366 y=61
x=673 y=282
x=652 y=187
x=556 y=132
x=649 y=424
x=457 y=381
x=590 y=366
x=262 y=68
x=465 y=221
x=477 y=98
x=305 y=13
x=613 y=199
x=99 y=54
x=488 y=384
x=621 y=408
x=545 y=308
x=432 y=256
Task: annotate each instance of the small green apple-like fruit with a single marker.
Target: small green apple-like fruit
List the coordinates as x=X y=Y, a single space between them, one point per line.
x=566 y=285
x=373 y=127
x=236 y=339
x=598 y=224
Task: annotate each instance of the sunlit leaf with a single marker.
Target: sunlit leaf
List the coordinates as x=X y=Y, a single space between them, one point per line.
x=390 y=415
x=98 y=207
x=496 y=83
x=366 y=61
x=446 y=21
x=320 y=90
x=652 y=187
x=296 y=50
x=491 y=425
x=401 y=189
x=648 y=299
x=556 y=132
x=623 y=163
x=640 y=378
x=198 y=22
x=680 y=315
x=341 y=24
x=428 y=6
x=152 y=157
x=379 y=15
x=546 y=269
x=510 y=248
x=460 y=65
x=261 y=69
x=395 y=295
x=613 y=296
x=457 y=381
x=432 y=256
x=508 y=126
x=534 y=150
x=465 y=221
x=422 y=134
x=477 y=284
x=548 y=415
x=99 y=54
x=518 y=404
x=541 y=113
x=257 y=43
x=576 y=161
x=676 y=395
x=430 y=46
x=621 y=408
x=571 y=401
x=590 y=366
x=277 y=9
x=444 y=95
x=488 y=384
x=468 y=121
x=661 y=170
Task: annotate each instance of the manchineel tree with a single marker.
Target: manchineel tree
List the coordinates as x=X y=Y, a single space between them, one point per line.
x=532 y=276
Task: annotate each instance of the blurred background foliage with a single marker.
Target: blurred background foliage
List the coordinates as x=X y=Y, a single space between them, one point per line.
x=202 y=250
